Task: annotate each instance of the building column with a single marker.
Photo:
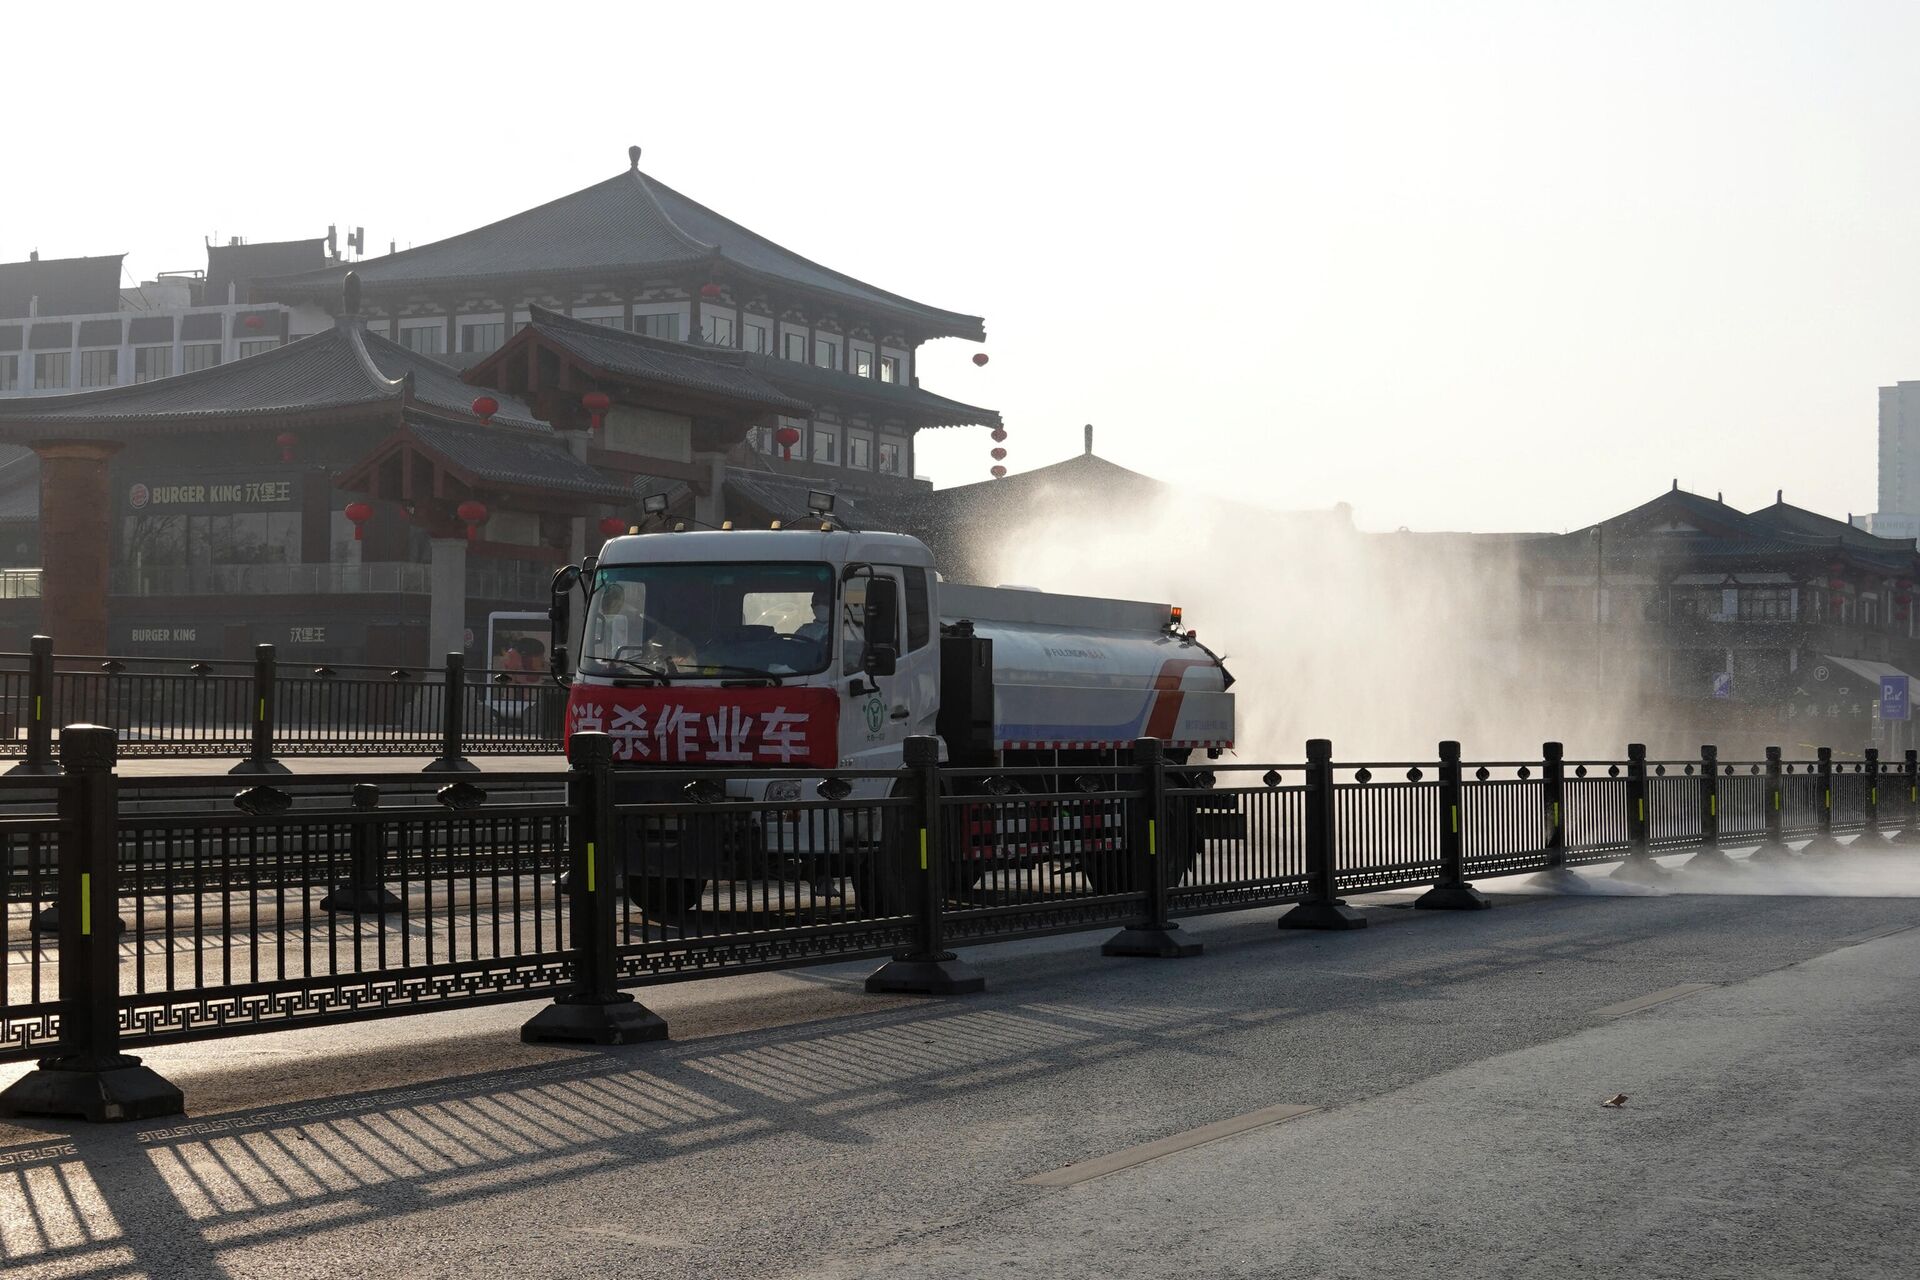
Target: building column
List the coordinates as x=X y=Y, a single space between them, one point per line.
x=577 y=443
x=712 y=509
x=447 y=613
x=76 y=524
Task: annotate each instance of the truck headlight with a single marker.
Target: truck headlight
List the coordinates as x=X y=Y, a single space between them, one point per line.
x=785 y=789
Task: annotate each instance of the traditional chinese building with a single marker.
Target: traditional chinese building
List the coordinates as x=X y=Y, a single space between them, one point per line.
x=1770 y=626
x=631 y=342
x=633 y=255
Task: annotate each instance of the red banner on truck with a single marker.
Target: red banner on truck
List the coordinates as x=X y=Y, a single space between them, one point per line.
x=776 y=727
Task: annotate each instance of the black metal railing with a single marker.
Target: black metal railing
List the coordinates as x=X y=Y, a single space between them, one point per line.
x=264 y=709
x=151 y=910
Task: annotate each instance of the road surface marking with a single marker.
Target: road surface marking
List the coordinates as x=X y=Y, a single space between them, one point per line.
x=1652 y=998
x=1128 y=1157
x=1873 y=934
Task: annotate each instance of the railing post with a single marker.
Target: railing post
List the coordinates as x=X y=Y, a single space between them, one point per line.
x=925 y=968
x=1871 y=826
x=1321 y=908
x=1710 y=856
x=1909 y=832
x=39 y=761
x=453 y=719
x=364 y=890
x=595 y=1011
x=87 y=1075
x=1639 y=864
x=1451 y=892
x=263 y=703
x=1154 y=934
x=1773 y=847
x=1823 y=840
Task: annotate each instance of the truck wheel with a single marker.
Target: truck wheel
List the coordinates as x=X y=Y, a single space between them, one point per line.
x=1106 y=878
x=881 y=888
x=667 y=899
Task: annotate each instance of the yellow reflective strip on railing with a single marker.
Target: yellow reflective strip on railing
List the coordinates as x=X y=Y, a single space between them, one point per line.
x=1556 y=813
x=1776 y=802
x=1642 y=805
x=1453 y=813
x=263 y=709
x=923 y=848
x=1153 y=839
x=86 y=904
x=1713 y=806
x=37 y=715
x=590 y=875
x=1828 y=802
x=1873 y=795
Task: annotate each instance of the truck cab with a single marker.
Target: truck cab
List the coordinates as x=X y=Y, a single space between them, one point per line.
x=775 y=648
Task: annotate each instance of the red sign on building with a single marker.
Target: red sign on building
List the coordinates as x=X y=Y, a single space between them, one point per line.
x=773 y=727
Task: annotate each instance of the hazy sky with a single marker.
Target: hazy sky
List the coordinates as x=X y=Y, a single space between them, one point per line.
x=1479 y=266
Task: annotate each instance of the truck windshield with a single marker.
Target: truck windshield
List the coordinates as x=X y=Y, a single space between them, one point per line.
x=709 y=621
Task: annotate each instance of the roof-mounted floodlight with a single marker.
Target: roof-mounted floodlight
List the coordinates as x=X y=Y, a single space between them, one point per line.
x=819 y=502
x=654 y=504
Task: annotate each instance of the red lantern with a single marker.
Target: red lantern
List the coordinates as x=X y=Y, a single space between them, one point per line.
x=1838 y=584
x=596 y=404
x=359 y=513
x=484 y=407
x=612 y=526
x=999 y=455
x=709 y=290
x=253 y=322
x=999 y=434
x=475 y=514
x=1836 y=603
x=786 y=438
x=980 y=358
x=999 y=472
x=286 y=440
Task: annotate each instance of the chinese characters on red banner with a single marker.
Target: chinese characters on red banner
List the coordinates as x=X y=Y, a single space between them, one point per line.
x=774 y=727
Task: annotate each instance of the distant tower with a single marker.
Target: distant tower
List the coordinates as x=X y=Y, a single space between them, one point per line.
x=1899 y=506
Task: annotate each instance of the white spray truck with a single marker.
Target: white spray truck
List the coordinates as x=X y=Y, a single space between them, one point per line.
x=749 y=650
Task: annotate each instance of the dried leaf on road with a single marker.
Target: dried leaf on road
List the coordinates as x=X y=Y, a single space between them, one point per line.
x=1618 y=1099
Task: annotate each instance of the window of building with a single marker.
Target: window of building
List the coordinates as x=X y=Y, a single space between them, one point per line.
x=616 y=320
x=99 y=368
x=427 y=339
x=1766 y=604
x=862 y=362
x=662 y=324
x=719 y=329
x=255 y=346
x=760 y=439
x=826 y=445
x=152 y=362
x=9 y=373
x=202 y=542
x=52 y=371
x=826 y=353
x=199 y=355
x=757 y=335
x=889 y=369
x=795 y=348
x=859 y=451
x=893 y=457
x=484 y=336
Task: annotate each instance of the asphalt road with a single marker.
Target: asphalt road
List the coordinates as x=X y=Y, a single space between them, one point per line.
x=798 y=1127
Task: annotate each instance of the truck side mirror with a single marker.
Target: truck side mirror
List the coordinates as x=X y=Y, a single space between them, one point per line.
x=559 y=609
x=881 y=626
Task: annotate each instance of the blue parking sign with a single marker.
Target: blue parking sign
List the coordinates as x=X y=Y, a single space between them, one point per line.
x=1894 y=694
